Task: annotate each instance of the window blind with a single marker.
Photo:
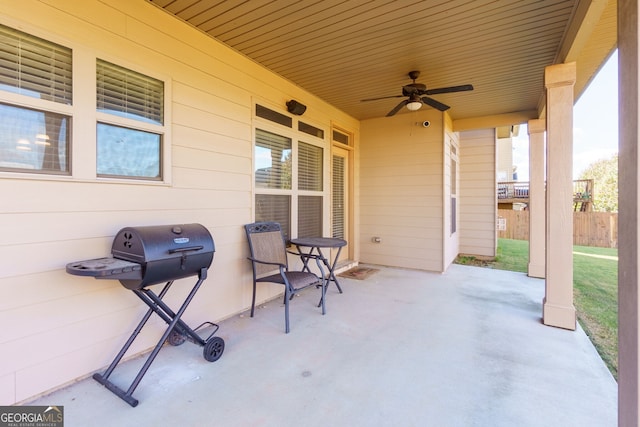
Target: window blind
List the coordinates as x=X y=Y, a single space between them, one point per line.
x=454 y=205
x=309 y=216
x=309 y=167
x=270 y=207
x=126 y=93
x=338 y=209
x=35 y=67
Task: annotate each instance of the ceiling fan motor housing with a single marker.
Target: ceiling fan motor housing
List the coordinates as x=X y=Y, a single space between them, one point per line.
x=412 y=88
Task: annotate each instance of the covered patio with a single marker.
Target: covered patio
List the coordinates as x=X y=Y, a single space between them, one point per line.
x=402 y=347
x=425 y=342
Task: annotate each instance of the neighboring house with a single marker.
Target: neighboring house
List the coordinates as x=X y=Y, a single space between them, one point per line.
x=506 y=170
x=114 y=113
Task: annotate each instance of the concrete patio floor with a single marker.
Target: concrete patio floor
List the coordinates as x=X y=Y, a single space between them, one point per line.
x=401 y=348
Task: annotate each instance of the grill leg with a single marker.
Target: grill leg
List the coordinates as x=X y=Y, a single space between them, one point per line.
x=155 y=305
x=104 y=378
x=133 y=336
x=165 y=312
x=164 y=337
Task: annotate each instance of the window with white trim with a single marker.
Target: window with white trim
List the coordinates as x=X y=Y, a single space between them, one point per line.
x=38 y=113
x=130 y=108
x=289 y=174
x=453 y=177
x=35 y=110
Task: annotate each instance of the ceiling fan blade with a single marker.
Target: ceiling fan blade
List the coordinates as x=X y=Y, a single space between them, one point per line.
x=435 y=104
x=397 y=108
x=450 y=89
x=383 y=97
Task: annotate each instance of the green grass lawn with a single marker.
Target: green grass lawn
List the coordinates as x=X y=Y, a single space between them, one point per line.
x=512 y=255
x=595 y=290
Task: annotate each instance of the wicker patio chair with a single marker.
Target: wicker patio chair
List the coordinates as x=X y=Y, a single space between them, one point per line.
x=269 y=262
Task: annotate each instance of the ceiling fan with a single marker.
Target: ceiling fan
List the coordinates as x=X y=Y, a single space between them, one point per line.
x=415 y=95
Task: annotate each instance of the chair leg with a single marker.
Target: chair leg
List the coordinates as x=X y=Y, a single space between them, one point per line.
x=253 y=299
x=324 y=285
x=287 y=291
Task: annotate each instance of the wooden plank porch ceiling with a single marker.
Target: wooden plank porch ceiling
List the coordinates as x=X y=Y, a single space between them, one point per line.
x=344 y=51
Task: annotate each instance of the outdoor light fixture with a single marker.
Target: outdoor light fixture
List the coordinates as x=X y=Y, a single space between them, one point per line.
x=414 y=103
x=294 y=107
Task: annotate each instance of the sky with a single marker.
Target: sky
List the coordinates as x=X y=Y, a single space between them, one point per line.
x=595 y=124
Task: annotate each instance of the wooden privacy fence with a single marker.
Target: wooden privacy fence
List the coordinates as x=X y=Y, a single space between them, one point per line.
x=598 y=229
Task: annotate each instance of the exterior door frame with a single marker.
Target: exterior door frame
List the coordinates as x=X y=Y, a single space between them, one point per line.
x=346 y=153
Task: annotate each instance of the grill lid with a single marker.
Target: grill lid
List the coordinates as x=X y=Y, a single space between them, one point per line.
x=166 y=252
x=152 y=243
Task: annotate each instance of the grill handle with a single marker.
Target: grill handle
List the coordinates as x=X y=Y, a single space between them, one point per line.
x=187 y=249
x=184 y=251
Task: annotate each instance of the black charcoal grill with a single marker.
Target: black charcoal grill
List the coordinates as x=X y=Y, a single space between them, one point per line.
x=146 y=256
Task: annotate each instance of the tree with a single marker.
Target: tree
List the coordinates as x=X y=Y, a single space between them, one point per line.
x=604 y=173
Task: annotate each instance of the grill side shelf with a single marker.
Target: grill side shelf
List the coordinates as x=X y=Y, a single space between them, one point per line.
x=106 y=268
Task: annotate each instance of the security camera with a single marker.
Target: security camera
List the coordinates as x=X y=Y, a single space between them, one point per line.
x=426 y=123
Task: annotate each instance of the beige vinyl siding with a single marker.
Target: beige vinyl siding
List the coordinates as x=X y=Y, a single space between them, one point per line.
x=64 y=327
x=505 y=159
x=478 y=193
x=401 y=191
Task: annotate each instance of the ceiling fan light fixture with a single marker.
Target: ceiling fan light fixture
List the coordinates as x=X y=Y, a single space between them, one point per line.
x=414 y=105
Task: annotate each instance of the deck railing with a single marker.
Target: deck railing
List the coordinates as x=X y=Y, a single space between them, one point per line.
x=518 y=192
x=513 y=190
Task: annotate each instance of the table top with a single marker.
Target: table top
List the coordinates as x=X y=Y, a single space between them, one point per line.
x=319 y=242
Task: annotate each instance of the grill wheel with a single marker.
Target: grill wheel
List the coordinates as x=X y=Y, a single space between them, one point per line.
x=213 y=349
x=175 y=338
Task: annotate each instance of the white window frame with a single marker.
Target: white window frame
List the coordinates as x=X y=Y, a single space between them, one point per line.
x=129 y=123
x=454 y=168
x=26 y=101
x=296 y=137
x=84 y=116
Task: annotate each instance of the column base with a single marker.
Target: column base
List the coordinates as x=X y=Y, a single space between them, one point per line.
x=537 y=270
x=559 y=316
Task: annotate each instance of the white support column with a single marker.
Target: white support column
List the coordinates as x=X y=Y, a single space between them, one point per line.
x=536 y=199
x=629 y=206
x=558 y=309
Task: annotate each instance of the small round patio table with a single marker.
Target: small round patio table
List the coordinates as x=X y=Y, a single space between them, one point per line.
x=311 y=244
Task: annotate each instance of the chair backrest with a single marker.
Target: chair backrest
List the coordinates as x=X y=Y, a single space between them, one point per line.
x=266 y=243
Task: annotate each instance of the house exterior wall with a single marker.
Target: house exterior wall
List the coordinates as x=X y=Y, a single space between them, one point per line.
x=505 y=159
x=59 y=327
x=401 y=190
x=478 y=209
